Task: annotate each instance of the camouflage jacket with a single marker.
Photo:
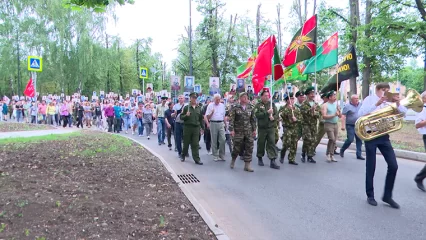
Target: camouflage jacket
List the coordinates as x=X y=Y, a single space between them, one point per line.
x=262 y=115
x=309 y=119
x=287 y=115
x=242 y=120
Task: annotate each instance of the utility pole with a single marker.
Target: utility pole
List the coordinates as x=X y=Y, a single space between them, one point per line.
x=190 y=40
x=19 y=63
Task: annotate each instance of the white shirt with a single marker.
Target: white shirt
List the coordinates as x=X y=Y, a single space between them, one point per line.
x=421 y=117
x=219 y=111
x=369 y=106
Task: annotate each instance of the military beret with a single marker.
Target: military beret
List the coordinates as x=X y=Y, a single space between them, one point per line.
x=264 y=90
x=299 y=93
x=309 y=90
x=287 y=96
x=193 y=94
x=331 y=93
x=323 y=95
x=242 y=94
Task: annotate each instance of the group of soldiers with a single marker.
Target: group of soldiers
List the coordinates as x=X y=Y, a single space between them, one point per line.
x=261 y=120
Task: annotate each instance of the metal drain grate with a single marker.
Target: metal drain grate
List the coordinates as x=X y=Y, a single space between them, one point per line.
x=188 y=178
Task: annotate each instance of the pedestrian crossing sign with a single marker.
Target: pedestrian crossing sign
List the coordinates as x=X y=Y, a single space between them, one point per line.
x=35 y=64
x=143 y=72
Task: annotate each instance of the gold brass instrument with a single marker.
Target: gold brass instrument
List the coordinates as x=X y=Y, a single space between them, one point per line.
x=387 y=119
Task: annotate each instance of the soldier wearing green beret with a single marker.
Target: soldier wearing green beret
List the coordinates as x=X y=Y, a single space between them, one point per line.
x=266 y=118
x=192 y=128
x=290 y=116
x=242 y=126
x=311 y=113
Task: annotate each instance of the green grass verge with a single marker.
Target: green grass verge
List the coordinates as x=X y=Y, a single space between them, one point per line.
x=50 y=137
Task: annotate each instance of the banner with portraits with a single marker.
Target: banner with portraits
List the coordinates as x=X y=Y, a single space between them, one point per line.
x=189 y=84
x=241 y=85
x=214 y=85
x=197 y=88
x=175 y=83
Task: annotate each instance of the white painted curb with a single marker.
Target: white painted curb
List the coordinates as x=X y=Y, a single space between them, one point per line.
x=219 y=233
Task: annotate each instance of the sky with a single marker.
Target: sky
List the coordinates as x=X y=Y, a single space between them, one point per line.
x=165 y=20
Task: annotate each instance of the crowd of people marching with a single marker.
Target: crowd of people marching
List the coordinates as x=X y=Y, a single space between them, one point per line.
x=236 y=122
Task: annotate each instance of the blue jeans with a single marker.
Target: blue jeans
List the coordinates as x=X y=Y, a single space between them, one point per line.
x=140 y=126
x=178 y=137
x=385 y=147
x=161 y=129
x=127 y=123
x=350 y=130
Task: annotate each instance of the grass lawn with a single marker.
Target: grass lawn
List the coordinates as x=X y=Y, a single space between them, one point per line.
x=14 y=127
x=90 y=185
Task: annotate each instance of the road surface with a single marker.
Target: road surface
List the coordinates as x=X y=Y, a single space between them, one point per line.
x=308 y=201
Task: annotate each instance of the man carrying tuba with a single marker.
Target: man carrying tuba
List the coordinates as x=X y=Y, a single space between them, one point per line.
x=369 y=105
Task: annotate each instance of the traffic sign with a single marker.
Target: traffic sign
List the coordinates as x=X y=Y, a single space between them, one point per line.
x=143 y=72
x=35 y=64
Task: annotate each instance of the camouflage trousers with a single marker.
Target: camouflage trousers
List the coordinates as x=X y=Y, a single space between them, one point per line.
x=243 y=142
x=309 y=136
x=290 y=139
x=277 y=136
x=266 y=139
x=321 y=132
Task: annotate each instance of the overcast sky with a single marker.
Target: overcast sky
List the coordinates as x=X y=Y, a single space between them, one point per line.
x=165 y=20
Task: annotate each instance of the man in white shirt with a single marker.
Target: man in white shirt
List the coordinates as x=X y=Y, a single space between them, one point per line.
x=421 y=127
x=369 y=105
x=214 y=119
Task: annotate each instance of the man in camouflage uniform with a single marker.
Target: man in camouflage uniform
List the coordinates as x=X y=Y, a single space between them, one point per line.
x=311 y=113
x=242 y=126
x=300 y=98
x=193 y=126
x=266 y=118
x=289 y=115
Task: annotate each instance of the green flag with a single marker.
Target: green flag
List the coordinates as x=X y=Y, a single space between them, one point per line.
x=326 y=56
x=294 y=72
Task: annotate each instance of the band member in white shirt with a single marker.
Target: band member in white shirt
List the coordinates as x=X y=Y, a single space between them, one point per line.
x=214 y=119
x=421 y=127
x=369 y=105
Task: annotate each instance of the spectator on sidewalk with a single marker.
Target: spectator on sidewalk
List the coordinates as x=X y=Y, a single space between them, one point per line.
x=350 y=113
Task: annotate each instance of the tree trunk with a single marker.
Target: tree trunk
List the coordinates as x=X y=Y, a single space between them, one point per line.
x=306 y=11
x=121 y=68
x=354 y=22
x=18 y=61
x=108 y=83
x=249 y=39
x=366 y=73
x=299 y=12
x=279 y=28
x=138 y=66
x=225 y=61
x=258 y=25
x=315 y=7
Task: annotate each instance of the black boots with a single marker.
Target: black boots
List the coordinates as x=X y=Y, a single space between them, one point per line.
x=274 y=165
x=303 y=158
x=311 y=160
x=282 y=155
x=419 y=179
x=260 y=161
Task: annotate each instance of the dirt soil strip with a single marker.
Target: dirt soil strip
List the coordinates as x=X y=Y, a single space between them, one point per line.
x=14 y=127
x=91 y=185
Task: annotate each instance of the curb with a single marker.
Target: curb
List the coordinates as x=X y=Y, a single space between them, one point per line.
x=219 y=233
x=417 y=156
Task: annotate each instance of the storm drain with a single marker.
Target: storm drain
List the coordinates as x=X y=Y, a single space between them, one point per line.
x=188 y=178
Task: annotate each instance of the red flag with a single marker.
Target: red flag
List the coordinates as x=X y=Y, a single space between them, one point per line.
x=29 y=89
x=303 y=45
x=263 y=65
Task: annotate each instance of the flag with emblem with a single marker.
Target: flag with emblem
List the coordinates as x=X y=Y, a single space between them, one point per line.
x=295 y=72
x=263 y=64
x=244 y=70
x=303 y=45
x=326 y=56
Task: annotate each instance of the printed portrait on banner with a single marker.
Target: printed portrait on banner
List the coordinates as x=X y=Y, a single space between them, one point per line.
x=175 y=83
x=149 y=87
x=189 y=84
x=233 y=89
x=186 y=95
x=197 y=88
x=241 y=85
x=214 y=85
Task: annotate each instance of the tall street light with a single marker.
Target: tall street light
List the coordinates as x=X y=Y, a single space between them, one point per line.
x=190 y=40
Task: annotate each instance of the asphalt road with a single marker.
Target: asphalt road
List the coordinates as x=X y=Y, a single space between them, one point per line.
x=308 y=201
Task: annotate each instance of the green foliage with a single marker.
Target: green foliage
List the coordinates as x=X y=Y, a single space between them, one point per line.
x=74 y=48
x=95 y=4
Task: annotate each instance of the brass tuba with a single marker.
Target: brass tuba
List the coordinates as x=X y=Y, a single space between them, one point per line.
x=388 y=119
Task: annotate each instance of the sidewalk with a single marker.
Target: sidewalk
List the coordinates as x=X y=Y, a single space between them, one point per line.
x=398 y=152
x=35 y=133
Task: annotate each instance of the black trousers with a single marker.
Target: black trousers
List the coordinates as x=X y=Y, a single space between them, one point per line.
x=65 y=121
x=384 y=145
x=80 y=121
x=207 y=138
x=422 y=174
x=110 y=121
